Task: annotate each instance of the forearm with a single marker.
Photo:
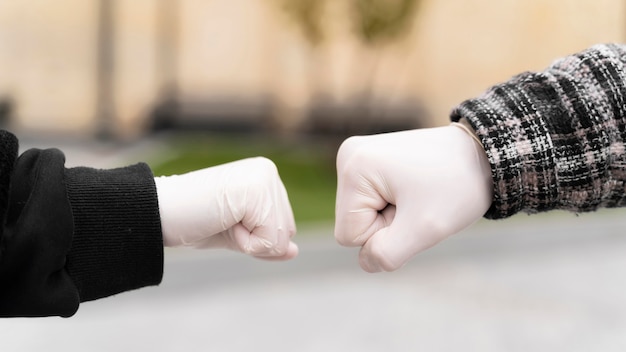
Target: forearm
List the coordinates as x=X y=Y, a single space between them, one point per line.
x=555 y=139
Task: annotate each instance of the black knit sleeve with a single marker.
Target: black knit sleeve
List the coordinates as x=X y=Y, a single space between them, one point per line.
x=117 y=244
x=8 y=154
x=556 y=139
x=37 y=235
x=74 y=235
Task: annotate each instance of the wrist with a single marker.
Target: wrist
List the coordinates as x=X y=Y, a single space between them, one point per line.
x=481 y=166
x=465 y=126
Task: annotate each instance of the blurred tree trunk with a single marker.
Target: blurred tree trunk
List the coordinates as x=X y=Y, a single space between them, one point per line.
x=167 y=59
x=167 y=107
x=105 y=101
x=379 y=23
x=376 y=23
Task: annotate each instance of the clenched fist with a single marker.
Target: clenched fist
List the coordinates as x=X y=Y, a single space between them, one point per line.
x=401 y=193
x=242 y=206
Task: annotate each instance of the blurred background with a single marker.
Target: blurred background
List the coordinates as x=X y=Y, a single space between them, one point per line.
x=126 y=68
x=185 y=84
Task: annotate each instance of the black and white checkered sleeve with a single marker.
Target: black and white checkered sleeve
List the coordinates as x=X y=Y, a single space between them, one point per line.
x=556 y=139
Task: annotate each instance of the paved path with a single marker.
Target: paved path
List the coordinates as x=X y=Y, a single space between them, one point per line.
x=540 y=283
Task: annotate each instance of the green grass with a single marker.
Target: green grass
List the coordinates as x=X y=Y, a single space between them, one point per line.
x=306 y=168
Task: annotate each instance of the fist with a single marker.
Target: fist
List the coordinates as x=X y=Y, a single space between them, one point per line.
x=401 y=193
x=242 y=206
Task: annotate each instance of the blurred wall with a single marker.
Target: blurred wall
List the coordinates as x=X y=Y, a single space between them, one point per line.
x=462 y=47
x=136 y=78
x=47 y=61
x=249 y=50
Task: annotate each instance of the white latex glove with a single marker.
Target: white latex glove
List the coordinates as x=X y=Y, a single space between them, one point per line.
x=401 y=193
x=242 y=206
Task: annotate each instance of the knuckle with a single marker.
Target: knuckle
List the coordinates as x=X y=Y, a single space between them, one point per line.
x=350 y=143
x=348 y=148
x=354 y=155
x=260 y=176
x=346 y=240
x=265 y=173
x=264 y=166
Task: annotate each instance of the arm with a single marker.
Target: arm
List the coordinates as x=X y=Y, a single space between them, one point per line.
x=79 y=234
x=73 y=235
x=552 y=140
x=555 y=139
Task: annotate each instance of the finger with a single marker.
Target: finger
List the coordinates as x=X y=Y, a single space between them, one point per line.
x=278 y=226
x=357 y=210
x=249 y=243
x=271 y=223
x=257 y=232
x=264 y=235
x=223 y=240
x=383 y=219
x=393 y=246
x=268 y=239
x=269 y=249
x=226 y=240
x=285 y=211
x=292 y=252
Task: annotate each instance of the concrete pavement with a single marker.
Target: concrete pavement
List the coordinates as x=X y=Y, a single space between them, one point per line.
x=541 y=283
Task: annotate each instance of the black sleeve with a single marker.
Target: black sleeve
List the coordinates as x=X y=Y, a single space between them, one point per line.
x=73 y=235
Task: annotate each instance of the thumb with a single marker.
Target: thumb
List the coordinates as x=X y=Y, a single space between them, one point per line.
x=360 y=210
x=391 y=247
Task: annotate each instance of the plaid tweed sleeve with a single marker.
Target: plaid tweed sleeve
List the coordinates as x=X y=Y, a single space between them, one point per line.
x=556 y=139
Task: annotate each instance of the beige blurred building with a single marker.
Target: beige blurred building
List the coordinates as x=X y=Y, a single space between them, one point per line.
x=249 y=51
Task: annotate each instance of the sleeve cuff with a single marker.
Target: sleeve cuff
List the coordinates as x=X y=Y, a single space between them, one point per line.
x=555 y=139
x=117 y=244
x=518 y=144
